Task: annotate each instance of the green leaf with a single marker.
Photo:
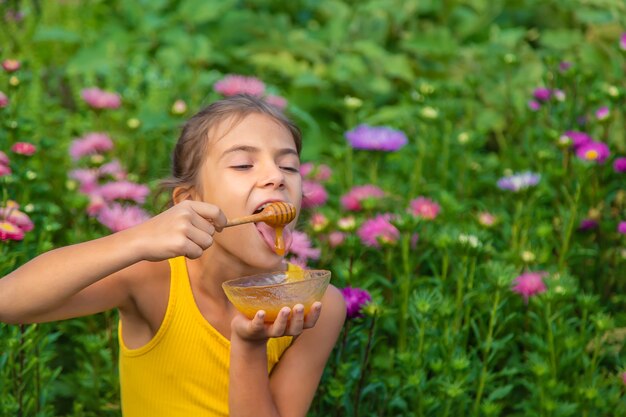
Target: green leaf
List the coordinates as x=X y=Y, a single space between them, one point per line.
x=500 y=393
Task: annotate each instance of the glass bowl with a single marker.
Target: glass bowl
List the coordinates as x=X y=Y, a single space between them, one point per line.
x=274 y=290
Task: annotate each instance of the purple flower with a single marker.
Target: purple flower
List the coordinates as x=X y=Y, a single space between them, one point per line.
x=594 y=151
x=529 y=284
x=378 y=230
x=355 y=299
x=100 y=99
x=621 y=228
x=620 y=165
x=231 y=85
x=520 y=181
x=564 y=66
x=376 y=138
x=622 y=42
x=578 y=138
x=90 y=144
x=542 y=94
x=587 y=224
x=353 y=199
x=117 y=217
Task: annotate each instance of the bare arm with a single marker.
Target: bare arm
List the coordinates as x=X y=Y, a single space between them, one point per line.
x=70 y=281
x=292 y=385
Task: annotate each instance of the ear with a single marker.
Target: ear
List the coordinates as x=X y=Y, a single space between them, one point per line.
x=182 y=193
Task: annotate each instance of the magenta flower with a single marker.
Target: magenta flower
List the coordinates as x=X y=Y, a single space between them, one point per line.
x=534 y=105
x=4 y=170
x=621 y=228
x=378 y=230
x=594 y=151
x=100 y=99
x=313 y=194
x=356 y=299
x=587 y=224
x=529 y=284
x=277 y=101
x=4 y=100
x=518 y=182
x=376 y=138
x=124 y=190
x=11 y=65
x=578 y=138
x=564 y=66
x=542 y=94
x=357 y=195
x=301 y=247
x=9 y=231
x=24 y=148
x=424 y=207
x=238 y=84
x=91 y=143
x=620 y=165
x=622 y=42
x=603 y=113
x=117 y=217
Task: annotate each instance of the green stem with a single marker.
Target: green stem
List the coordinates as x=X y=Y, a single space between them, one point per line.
x=569 y=229
x=486 y=350
x=551 y=348
x=405 y=288
x=445 y=262
x=470 y=286
x=460 y=284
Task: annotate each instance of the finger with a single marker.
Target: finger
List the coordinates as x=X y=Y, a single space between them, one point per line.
x=296 y=322
x=313 y=315
x=210 y=212
x=202 y=224
x=257 y=324
x=192 y=251
x=199 y=237
x=280 y=324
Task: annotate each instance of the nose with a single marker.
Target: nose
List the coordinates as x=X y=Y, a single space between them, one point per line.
x=272 y=177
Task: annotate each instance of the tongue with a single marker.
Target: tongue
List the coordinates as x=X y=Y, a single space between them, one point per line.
x=269 y=236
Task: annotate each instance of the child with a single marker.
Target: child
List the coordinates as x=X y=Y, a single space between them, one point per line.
x=184 y=349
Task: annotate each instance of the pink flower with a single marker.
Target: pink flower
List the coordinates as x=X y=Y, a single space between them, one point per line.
x=4 y=100
x=9 y=231
x=424 y=208
x=87 y=178
x=313 y=194
x=114 y=169
x=578 y=138
x=378 y=230
x=18 y=218
x=117 y=217
x=11 y=65
x=4 y=170
x=486 y=219
x=277 y=101
x=534 y=105
x=529 y=284
x=24 y=148
x=603 y=113
x=318 y=222
x=622 y=42
x=318 y=173
x=620 y=165
x=89 y=144
x=559 y=95
x=100 y=99
x=621 y=228
x=124 y=190
x=301 y=247
x=357 y=195
x=336 y=238
x=238 y=84
x=4 y=159
x=96 y=203
x=179 y=107
x=542 y=94
x=624 y=373
x=594 y=152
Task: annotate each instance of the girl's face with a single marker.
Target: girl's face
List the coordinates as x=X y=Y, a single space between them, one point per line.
x=247 y=166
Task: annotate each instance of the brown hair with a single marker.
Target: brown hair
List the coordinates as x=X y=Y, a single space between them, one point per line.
x=192 y=144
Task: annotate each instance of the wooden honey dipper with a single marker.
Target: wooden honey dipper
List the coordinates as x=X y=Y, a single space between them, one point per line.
x=276 y=214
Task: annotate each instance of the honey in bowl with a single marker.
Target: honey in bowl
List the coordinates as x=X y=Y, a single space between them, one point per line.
x=274 y=290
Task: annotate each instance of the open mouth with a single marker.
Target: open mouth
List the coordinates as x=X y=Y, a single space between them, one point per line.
x=269 y=233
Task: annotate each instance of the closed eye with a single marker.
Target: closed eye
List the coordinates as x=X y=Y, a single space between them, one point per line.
x=241 y=167
x=290 y=169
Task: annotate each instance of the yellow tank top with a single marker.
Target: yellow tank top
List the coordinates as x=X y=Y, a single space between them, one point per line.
x=183 y=370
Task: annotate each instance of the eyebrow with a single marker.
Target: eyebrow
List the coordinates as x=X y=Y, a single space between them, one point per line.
x=253 y=149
